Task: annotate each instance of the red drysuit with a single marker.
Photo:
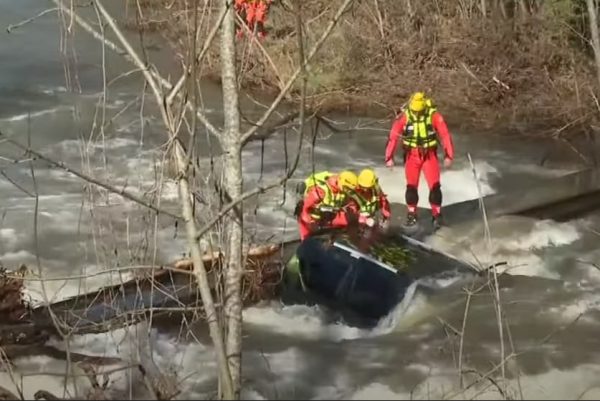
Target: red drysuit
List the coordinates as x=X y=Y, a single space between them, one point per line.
x=314 y=197
x=417 y=159
x=255 y=14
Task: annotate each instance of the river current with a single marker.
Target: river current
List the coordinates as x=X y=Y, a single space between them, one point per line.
x=289 y=352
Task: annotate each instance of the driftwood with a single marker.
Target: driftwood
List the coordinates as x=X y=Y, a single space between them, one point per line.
x=169 y=291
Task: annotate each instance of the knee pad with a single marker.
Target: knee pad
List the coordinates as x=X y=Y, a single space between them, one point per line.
x=435 y=194
x=412 y=195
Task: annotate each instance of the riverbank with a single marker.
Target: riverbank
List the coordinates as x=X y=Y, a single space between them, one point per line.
x=525 y=70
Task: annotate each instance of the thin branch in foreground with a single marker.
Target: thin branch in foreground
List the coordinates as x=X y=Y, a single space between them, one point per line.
x=496 y=286
x=185 y=196
x=177 y=87
x=16 y=184
x=122 y=192
x=31 y=19
x=490 y=379
x=128 y=55
x=296 y=74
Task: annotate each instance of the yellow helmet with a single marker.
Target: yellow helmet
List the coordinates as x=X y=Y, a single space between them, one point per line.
x=347 y=180
x=417 y=102
x=367 y=178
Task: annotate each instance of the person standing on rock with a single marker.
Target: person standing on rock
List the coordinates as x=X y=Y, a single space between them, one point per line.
x=419 y=127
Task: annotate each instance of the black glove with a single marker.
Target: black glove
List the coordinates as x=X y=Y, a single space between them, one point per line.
x=298 y=208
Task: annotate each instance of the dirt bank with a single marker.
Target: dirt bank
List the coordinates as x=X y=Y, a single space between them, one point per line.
x=526 y=69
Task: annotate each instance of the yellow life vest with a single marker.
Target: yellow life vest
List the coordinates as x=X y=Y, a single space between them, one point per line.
x=331 y=202
x=419 y=132
x=369 y=205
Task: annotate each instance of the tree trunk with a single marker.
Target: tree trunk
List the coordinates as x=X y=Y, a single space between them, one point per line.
x=232 y=144
x=483 y=6
x=409 y=8
x=523 y=7
x=593 y=18
x=187 y=209
x=502 y=7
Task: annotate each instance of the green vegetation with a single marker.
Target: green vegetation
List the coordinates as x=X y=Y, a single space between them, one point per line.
x=393 y=255
x=386 y=250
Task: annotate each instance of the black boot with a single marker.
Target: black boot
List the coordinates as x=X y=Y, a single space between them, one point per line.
x=411 y=219
x=437 y=221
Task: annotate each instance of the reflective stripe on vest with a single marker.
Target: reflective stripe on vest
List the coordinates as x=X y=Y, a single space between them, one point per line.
x=331 y=201
x=419 y=131
x=368 y=205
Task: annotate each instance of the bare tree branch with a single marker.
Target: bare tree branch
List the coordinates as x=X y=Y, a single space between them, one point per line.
x=16 y=184
x=31 y=19
x=281 y=181
x=114 y=47
x=296 y=74
x=185 y=196
x=177 y=87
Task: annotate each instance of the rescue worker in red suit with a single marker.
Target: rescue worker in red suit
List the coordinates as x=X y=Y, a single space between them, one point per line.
x=369 y=201
x=255 y=13
x=325 y=197
x=417 y=127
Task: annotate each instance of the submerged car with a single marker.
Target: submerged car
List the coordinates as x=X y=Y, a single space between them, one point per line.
x=361 y=278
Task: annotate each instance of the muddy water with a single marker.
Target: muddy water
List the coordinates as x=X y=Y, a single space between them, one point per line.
x=290 y=352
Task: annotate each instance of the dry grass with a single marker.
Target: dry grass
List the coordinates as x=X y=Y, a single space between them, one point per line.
x=12 y=305
x=525 y=73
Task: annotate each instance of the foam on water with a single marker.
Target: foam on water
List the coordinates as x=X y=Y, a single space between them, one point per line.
x=100 y=144
x=458 y=183
x=196 y=373
x=189 y=363
x=29 y=375
x=544 y=233
x=310 y=321
x=89 y=279
x=41 y=113
x=577 y=383
x=8 y=239
x=516 y=240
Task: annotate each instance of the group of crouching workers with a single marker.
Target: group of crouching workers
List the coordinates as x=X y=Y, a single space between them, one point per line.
x=337 y=200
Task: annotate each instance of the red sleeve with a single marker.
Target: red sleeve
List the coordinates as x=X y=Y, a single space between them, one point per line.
x=395 y=134
x=312 y=199
x=352 y=206
x=384 y=203
x=385 y=206
x=442 y=129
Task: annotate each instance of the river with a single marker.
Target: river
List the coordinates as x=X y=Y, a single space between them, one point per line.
x=289 y=352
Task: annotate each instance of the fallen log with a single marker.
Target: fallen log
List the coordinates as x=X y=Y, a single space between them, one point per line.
x=352 y=272
x=20 y=351
x=167 y=291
